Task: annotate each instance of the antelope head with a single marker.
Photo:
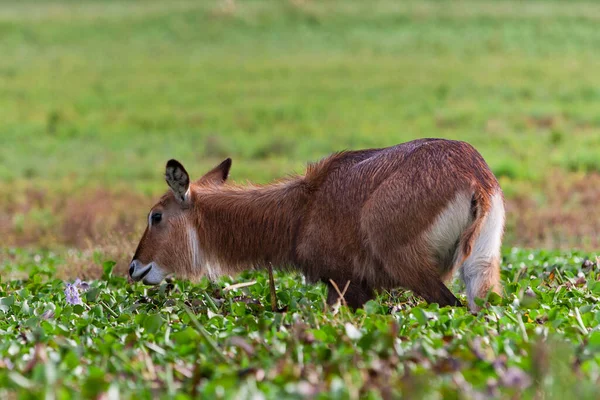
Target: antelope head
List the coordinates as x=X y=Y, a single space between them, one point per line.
x=170 y=242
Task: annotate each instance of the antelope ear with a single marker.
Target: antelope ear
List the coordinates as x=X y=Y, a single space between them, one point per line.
x=178 y=180
x=218 y=175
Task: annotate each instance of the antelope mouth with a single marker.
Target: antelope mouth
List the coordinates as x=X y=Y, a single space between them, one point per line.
x=153 y=275
x=146 y=272
x=139 y=275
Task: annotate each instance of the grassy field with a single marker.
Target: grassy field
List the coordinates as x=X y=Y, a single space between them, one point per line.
x=96 y=95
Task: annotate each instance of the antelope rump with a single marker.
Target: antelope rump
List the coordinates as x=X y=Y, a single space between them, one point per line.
x=404 y=216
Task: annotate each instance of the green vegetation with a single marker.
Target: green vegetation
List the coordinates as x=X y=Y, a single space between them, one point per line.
x=216 y=340
x=95 y=96
x=105 y=92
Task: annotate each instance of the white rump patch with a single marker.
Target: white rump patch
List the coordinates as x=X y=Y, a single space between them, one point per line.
x=448 y=227
x=478 y=270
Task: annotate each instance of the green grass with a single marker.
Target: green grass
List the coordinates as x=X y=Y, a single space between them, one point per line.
x=201 y=339
x=104 y=92
x=99 y=94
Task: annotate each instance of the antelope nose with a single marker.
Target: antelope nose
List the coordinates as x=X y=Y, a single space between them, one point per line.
x=132 y=268
x=138 y=271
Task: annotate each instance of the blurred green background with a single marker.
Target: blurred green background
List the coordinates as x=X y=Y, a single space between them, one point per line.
x=95 y=96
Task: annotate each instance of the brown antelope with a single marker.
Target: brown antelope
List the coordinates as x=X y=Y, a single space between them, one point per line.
x=404 y=216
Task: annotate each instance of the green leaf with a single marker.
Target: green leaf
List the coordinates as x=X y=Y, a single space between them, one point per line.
x=595 y=287
x=373 y=307
x=530 y=302
x=153 y=323
x=238 y=308
x=594 y=341
x=495 y=299
x=92 y=294
x=123 y=318
x=185 y=336
x=95 y=383
x=108 y=267
x=20 y=380
x=421 y=315
x=6 y=302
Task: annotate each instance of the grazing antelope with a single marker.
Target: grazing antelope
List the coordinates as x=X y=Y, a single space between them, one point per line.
x=403 y=216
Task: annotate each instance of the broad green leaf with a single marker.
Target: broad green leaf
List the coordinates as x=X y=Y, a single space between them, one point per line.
x=153 y=323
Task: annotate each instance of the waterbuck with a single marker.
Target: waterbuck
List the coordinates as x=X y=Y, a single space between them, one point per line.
x=403 y=216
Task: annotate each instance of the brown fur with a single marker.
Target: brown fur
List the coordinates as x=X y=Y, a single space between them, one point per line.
x=356 y=216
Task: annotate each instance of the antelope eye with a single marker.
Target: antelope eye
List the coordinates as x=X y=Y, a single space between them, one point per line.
x=156 y=218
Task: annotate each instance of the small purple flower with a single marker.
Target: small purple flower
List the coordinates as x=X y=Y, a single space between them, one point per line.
x=83 y=286
x=72 y=291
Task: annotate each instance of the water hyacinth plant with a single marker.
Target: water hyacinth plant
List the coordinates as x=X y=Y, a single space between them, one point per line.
x=199 y=340
x=72 y=291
